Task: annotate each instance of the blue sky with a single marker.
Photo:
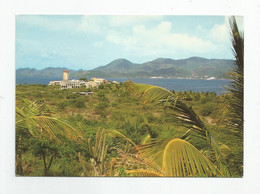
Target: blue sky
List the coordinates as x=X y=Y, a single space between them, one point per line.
x=86 y=42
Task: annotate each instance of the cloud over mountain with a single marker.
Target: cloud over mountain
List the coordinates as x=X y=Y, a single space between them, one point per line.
x=90 y=41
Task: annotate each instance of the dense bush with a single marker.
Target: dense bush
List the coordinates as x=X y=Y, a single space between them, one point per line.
x=100 y=107
x=78 y=103
x=207 y=109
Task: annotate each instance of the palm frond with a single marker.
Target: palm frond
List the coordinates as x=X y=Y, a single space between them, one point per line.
x=183 y=115
x=98 y=152
x=148 y=93
x=180 y=158
x=145 y=139
x=237 y=75
x=152 y=152
x=115 y=133
x=175 y=157
x=144 y=173
x=37 y=119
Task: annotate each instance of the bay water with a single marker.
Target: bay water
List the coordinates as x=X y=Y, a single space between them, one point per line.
x=195 y=85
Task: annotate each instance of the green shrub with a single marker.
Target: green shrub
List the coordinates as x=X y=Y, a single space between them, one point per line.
x=102 y=95
x=100 y=107
x=205 y=99
x=207 y=109
x=62 y=105
x=79 y=103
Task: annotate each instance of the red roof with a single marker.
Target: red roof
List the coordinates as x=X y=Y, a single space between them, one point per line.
x=66 y=70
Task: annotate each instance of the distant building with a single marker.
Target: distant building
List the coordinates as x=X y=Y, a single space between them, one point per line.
x=95 y=82
x=99 y=80
x=55 y=83
x=68 y=84
x=66 y=76
x=72 y=84
x=92 y=84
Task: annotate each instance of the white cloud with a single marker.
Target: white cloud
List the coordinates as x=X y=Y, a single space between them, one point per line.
x=159 y=40
x=220 y=33
x=102 y=24
x=165 y=26
x=140 y=35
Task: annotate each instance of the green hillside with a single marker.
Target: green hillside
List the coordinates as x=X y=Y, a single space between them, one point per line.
x=194 y=67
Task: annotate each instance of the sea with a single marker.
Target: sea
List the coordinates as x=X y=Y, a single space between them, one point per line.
x=195 y=85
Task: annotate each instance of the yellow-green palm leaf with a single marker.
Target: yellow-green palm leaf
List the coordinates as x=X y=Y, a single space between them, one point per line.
x=37 y=119
x=183 y=115
x=115 y=133
x=175 y=157
x=144 y=173
x=181 y=159
x=148 y=93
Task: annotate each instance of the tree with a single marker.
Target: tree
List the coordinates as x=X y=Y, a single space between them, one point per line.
x=237 y=75
x=83 y=79
x=236 y=88
x=37 y=119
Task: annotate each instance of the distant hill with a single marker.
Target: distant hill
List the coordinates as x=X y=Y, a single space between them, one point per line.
x=33 y=76
x=47 y=72
x=193 y=67
x=119 y=65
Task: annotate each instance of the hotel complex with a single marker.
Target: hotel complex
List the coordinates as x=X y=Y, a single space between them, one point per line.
x=68 y=84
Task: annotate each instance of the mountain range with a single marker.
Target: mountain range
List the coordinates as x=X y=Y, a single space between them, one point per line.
x=193 y=67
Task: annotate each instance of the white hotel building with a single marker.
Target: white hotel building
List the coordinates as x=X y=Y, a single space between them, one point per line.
x=68 y=84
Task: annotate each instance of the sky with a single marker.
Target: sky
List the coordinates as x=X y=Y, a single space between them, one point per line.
x=85 y=42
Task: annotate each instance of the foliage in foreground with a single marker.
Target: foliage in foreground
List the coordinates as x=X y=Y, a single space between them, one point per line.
x=149 y=131
x=122 y=150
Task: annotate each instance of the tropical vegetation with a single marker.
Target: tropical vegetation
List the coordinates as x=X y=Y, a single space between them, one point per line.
x=131 y=129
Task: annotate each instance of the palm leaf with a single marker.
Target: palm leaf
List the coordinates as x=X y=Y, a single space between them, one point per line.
x=37 y=119
x=174 y=157
x=148 y=93
x=98 y=152
x=180 y=158
x=145 y=139
x=144 y=173
x=115 y=133
x=183 y=115
x=152 y=152
x=237 y=75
